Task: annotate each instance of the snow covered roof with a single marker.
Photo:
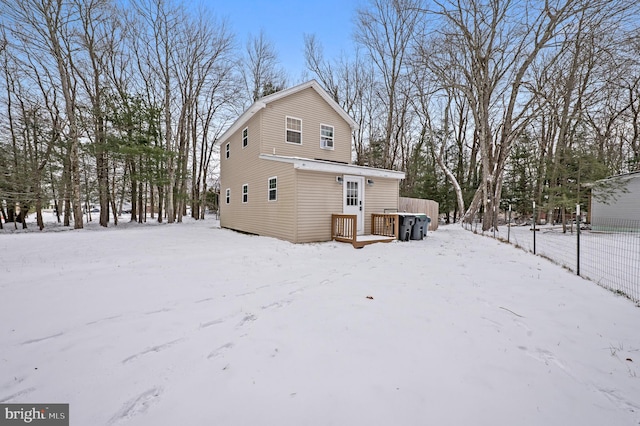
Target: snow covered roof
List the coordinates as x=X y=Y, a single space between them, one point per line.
x=331 y=167
x=263 y=102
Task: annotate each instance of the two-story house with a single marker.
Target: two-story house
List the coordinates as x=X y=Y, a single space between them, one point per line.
x=285 y=167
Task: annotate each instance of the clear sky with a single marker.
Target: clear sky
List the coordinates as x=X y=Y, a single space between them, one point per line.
x=286 y=21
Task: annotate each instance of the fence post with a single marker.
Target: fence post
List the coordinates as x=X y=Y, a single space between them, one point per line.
x=509 y=226
x=578 y=233
x=534 y=227
x=495 y=218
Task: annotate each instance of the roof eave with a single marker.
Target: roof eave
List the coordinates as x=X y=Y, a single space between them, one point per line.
x=329 y=167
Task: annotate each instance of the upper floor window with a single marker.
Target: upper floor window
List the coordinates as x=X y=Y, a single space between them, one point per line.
x=294 y=130
x=273 y=189
x=227 y=150
x=245 y=193
x=326 y=136
x=245 y=137
x=228 y=195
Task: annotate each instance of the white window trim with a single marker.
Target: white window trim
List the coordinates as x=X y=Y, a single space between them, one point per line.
x=333 y=138
x=244 y=145
x=286 y=129
x=227 y=150
x=269 y=189
x=228 y=196
x=245 y=193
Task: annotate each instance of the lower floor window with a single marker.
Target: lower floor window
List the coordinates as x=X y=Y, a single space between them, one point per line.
x=245 y=193
x=273 y=189
x=228 y=193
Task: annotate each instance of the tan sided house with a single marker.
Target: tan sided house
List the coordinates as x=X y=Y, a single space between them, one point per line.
x=285 y=168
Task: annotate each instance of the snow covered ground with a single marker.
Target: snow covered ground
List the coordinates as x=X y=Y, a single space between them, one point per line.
x=611 y=259
x=190 y=324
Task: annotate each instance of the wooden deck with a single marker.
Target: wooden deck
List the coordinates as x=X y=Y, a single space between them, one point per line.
x=384 y=229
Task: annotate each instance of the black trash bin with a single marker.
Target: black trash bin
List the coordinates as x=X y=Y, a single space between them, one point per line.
x=426 y=225
x=405 y=225
x=419 y=229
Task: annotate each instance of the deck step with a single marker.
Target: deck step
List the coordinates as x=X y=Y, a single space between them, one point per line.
x=364 y=240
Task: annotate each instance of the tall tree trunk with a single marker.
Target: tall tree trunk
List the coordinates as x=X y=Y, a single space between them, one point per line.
x=56 y=205
x=134 y=190
x=141 y=207
x=160 y=204
x=152 y=197
x=38 y=196
x=102 y=170
x=66 y=191
x=169 y=146
x=70 y=109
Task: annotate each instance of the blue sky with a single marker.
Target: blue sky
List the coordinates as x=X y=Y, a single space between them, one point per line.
x=286 y=21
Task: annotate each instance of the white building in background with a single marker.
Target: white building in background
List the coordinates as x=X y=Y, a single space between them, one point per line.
x=615 y=203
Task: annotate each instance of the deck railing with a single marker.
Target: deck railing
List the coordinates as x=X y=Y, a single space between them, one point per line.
x=344 y=227
x=384 y=224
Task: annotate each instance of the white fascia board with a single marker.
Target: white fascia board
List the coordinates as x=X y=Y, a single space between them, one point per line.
x=329 y=167
x=241 y=121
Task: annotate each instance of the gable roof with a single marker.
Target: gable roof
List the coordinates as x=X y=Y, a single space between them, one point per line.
x=262 y=103
x=624 y=176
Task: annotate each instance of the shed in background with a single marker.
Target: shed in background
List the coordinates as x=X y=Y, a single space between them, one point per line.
x=615 y=203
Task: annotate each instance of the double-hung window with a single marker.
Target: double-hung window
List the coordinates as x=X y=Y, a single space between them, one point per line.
x=228 y=150
x=245 y=193
x=245 y=137
x=326 y=136
x=273 y=189
x=228 y=193
x=294 y=130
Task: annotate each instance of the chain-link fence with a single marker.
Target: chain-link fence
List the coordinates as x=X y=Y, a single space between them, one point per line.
x=606 y=251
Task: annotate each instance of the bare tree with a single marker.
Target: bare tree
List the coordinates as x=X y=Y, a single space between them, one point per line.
x=204 y=69
x=386 y=29
x=261 y=72
x=47 y=26
x=156 y=50
x=351 y=83
x=496 y=43
x=99 y=34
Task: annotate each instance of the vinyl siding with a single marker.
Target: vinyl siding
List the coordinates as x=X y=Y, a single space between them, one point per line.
x=308 y=106
x=257 y=216
x=626 y=205
x=319 y=196
x=383 y=194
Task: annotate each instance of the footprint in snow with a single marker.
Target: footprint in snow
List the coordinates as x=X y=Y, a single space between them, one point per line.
x=40 y=339
x=279 y=304
x=136 y=405
x=156 y=348
x=219 y=351
x=212 y=322
x=247 y=319
x=15 y=396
